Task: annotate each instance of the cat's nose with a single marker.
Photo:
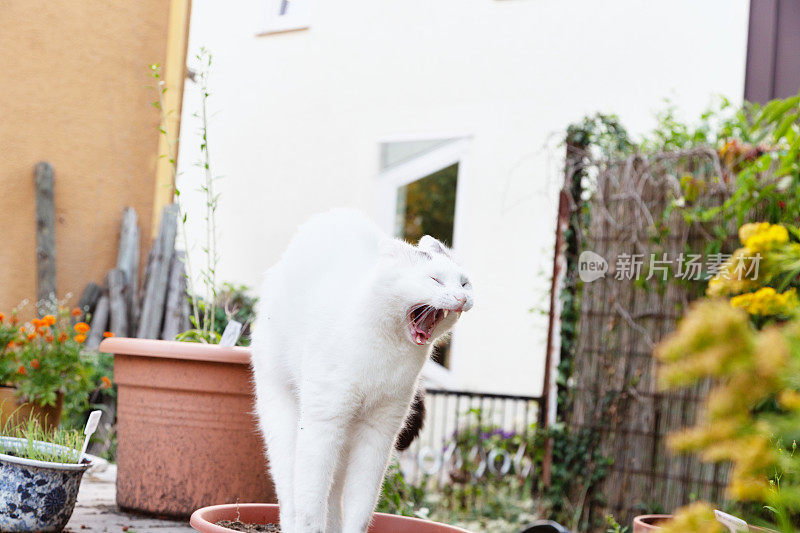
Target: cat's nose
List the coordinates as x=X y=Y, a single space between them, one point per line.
x=461 y=300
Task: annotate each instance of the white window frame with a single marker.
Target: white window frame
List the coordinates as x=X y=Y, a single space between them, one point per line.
x=294 y=20
x=391 y=179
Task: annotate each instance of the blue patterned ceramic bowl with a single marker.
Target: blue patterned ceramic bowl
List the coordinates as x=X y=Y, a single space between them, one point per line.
x=36 y=495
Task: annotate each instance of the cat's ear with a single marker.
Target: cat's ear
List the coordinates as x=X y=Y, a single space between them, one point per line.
x=434 y=246
x=397 y=249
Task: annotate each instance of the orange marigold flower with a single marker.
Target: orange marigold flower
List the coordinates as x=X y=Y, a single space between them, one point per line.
x=79 y=338
x=21 y=370
x=2 y=316
x=106 y=382
x=11 y=345
x=35 y=364
x=77 y=312
x=36 y=322
x=49 y=320
x=49 y=338
x=31 y=336
x=22 y=330
x=14 y=319
x=63 y=337
x=81 y=327
x=107 y=334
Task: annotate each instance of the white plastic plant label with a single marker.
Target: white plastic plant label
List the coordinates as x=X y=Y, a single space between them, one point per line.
x=733 y=523
x=91 y=427
x=231 y=333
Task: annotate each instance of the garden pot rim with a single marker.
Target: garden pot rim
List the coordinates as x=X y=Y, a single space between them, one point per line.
x=72 y=467
x=198 y=519
x=193 y=351
x=643 y=521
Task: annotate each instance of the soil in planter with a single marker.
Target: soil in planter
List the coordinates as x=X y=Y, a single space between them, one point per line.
x=235 y=525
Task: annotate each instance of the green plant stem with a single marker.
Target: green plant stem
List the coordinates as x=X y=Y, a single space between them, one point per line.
x=211 y=206
x=173 y=161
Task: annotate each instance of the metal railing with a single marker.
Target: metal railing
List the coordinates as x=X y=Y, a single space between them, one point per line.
x=448 y=412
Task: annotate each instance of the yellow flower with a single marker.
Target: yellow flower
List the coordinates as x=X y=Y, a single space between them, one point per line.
x=789 y=399
x=695 y=518
x=767 y=301
x=762 y=236
x=736 y=274
x=748 y=230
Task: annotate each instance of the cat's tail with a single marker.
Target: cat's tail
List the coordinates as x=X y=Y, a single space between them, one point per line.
x=414 y=422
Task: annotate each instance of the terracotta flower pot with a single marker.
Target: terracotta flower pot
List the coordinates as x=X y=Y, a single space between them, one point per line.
x=262 y=513
x=651 y=522
x=49 y=416
x=186 y=433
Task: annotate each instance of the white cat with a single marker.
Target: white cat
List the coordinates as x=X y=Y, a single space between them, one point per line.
x=346 y=320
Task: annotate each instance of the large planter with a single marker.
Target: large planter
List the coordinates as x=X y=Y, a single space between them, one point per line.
x=651 y=523
x=36 y=495
x=48 y=416
x=205 y=520
x=186 y=433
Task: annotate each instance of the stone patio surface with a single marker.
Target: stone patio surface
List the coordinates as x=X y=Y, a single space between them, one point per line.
x=96 y=509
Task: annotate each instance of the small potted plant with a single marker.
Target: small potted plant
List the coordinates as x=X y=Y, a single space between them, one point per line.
x=40 y=473
x=748 y=348
x=264 y=517
x=44 y=360
x=186 y=433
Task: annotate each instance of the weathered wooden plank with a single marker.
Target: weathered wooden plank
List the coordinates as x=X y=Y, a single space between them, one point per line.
x=91 y=295
x=128 y=263
x=176 y=317
x=118 y=305
x=45 y=237
x=150 y=320
x=148 y=268
x=99 y=323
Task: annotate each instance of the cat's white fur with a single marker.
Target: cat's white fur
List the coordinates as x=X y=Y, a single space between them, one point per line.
x=336 y=365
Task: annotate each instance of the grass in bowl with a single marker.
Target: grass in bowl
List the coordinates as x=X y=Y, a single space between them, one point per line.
x=57 y=446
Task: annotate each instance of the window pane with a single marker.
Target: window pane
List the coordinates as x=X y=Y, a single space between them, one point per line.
x=395 y=153
x=427 y=206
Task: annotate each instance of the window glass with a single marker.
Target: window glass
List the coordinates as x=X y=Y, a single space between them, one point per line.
x=428 y=206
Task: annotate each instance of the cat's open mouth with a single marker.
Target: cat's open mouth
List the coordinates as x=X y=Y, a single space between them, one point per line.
x=422 y=320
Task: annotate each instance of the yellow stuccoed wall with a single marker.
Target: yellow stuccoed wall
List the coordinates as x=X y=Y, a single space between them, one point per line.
x=74 y=92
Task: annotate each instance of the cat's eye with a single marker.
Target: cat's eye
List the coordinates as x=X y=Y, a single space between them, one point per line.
x=437 y=280
x=464 y=283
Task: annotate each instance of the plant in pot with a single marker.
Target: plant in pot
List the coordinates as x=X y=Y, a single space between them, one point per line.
x=749 y=348
x=262 y=517
x=9 y=335
x=44 y=360
x=40 y=473
x=186 y=433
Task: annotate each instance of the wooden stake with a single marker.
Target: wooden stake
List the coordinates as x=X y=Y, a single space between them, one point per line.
x=176 y=318
x=117 y=302
x=99 y=323
x=155 y=294
x=45 y=236
x=128 y=263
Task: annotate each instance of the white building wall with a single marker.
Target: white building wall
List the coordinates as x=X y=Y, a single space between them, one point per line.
x=299 y=117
